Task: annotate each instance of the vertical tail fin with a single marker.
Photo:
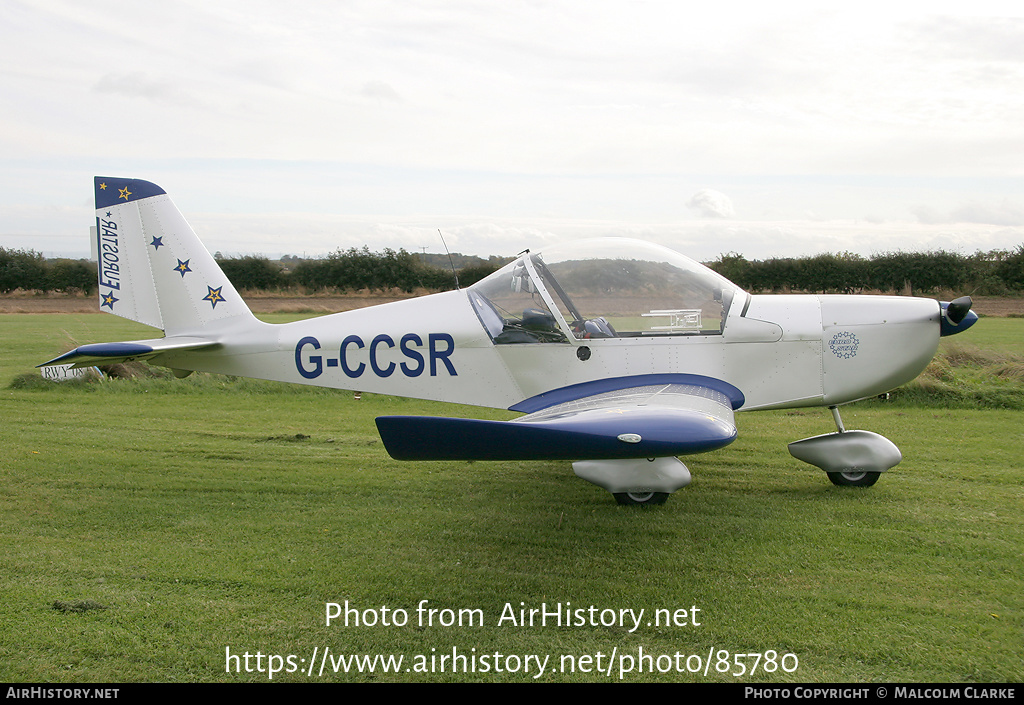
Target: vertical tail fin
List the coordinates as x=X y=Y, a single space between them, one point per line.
x=152 y=267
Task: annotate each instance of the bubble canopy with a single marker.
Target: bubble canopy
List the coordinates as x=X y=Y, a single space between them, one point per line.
x=601 y=289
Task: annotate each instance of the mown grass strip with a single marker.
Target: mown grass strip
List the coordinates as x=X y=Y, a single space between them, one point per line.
x=193 y=512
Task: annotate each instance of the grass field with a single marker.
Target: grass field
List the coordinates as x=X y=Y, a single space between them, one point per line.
x=149 y=525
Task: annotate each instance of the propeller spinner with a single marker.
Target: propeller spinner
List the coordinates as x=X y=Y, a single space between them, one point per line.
x=957 y=315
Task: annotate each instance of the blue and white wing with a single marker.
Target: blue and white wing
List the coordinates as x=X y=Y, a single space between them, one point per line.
x=646 y=421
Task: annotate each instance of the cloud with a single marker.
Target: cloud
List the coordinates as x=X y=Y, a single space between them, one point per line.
x=928 y=215
x=711 y=204
x=140 y=85
x=1003 y=213
x=984 y=38
x=380 y=90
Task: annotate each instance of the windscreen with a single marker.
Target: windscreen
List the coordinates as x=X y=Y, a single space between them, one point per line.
x=602 y=289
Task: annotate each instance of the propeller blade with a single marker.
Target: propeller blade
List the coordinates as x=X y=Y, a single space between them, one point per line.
x=957 y=309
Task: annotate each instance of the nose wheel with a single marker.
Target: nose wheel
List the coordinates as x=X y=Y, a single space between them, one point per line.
x=849 y=458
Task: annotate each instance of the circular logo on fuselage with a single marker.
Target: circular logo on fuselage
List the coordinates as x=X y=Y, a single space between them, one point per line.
x=844 y=345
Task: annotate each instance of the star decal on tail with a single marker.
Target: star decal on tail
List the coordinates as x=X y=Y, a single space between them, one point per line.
x=214 y=296
x=108 y=300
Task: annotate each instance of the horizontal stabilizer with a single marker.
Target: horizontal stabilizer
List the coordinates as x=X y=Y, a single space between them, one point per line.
x=111 y=353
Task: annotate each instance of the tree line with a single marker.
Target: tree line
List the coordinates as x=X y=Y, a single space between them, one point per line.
x=989 y=273
x=29 y=270
x=344 y=270
x=353 y=270
x=984 y=273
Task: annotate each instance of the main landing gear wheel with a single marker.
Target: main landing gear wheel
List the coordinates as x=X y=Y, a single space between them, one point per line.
x=854 y=479
x=634 y=498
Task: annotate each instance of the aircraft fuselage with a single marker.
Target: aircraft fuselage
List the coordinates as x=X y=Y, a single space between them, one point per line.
x=780 y=351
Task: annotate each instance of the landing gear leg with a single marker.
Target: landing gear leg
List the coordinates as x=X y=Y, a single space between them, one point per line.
x=838 y=419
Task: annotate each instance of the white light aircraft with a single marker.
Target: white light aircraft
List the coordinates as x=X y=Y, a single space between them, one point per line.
x=620 y=354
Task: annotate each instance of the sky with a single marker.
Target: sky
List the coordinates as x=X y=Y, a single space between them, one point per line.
x=770 y=130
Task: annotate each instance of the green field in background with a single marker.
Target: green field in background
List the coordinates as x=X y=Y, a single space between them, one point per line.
x=153 y=527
